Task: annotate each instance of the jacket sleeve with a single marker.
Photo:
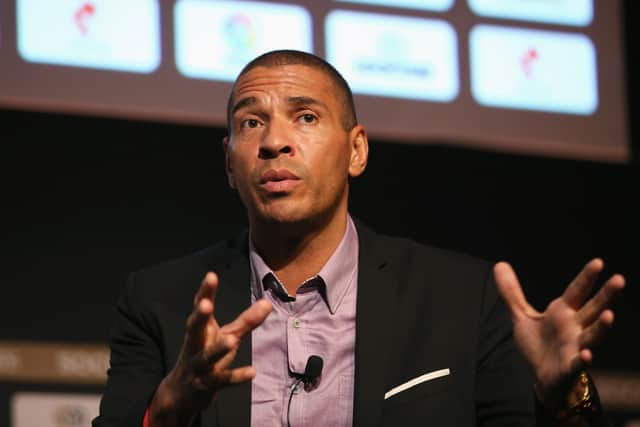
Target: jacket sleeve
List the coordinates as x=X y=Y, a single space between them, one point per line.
x=504 y=382
x=594 y=417
x=136 y=364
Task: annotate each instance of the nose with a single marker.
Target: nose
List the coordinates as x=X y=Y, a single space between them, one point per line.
x=275 y=141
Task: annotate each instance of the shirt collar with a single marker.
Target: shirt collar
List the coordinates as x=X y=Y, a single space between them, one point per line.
x=335 y=277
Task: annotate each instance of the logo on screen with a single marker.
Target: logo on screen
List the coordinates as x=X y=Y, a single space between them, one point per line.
x=240 y=33
x=528 y=61
x=391 y=58
x=82 y=16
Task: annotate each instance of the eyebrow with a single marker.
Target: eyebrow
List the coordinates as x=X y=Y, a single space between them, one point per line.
x=306 y=100
x=294 y=100
x=244 y=102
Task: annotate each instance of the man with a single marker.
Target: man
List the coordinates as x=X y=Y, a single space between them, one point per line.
x=407 y=334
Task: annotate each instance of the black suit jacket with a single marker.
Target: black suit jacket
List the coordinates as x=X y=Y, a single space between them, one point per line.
x=419 y=309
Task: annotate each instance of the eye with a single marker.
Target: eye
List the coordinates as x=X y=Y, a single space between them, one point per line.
x=308 y=118
x=249 y=123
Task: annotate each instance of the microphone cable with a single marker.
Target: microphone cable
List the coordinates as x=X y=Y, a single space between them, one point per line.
x=312 y=370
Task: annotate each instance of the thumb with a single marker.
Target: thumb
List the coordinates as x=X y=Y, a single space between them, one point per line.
x=511 y=291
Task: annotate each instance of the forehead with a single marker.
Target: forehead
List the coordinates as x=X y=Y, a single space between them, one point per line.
x=284 y=80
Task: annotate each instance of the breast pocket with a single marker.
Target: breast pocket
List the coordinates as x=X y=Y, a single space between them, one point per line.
x=420 y=386
x=419 y=403
x=340 y=404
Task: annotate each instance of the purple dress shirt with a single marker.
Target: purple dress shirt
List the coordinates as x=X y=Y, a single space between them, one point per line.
x=320 y=320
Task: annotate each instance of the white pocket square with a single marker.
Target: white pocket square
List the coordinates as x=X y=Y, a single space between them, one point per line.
x=417 y=380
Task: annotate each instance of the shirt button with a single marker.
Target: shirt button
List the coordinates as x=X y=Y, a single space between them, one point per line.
x=296 y=323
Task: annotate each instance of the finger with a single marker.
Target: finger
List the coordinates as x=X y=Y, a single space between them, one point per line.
x=511 y=291
x=223 y=350
x=224 y=360
x=208 y=288
x=229 y=377
x=249 y=319
x=217 y=364
x=214 y=358
x=202 y=363
x=221 y=353
x=242 y=374
x=197 y=323
x=586 y=357
x=202 y=314
x=602 y=300
x=594 y=334
x=580 y=288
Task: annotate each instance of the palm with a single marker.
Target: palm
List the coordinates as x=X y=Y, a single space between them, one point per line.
x=549 y=341
x=558 y=342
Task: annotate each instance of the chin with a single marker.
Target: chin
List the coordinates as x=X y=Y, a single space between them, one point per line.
x=285 y=218
x=293 y=214
x=289 y=221
x=276 y=211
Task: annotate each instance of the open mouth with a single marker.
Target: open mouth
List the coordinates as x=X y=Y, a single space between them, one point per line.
x=278 y=180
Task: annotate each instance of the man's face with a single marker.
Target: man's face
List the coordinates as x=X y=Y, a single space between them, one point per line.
x=288 y=154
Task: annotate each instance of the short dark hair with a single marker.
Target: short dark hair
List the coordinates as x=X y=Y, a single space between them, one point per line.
x=276 y=58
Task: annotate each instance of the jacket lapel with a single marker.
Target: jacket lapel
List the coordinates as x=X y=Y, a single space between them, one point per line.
x=374 y=327
x=374 y=331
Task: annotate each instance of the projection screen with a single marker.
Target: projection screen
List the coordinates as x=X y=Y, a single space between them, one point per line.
x=536 y=77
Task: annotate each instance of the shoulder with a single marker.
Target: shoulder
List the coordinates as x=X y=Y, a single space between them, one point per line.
x=416 y=271
x=183 y=275
x=407 y=253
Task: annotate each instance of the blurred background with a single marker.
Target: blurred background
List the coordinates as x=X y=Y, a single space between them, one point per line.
x=503 y=132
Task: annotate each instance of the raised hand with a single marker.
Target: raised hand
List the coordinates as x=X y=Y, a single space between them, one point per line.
x=558 y=342
x=203 y=366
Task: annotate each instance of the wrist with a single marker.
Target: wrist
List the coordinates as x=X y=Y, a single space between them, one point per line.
x=579 y=400
x=169 y=407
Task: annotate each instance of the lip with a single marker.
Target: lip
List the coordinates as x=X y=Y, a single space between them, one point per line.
x=278 y=180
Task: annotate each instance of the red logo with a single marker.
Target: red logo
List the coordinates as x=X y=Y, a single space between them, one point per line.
x=527 y=61
x=84 y=13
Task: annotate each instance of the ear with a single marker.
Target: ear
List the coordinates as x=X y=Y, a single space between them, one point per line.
x=359 y=150
x=227 y=162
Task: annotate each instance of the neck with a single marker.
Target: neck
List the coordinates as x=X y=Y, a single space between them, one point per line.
x=296 y=252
